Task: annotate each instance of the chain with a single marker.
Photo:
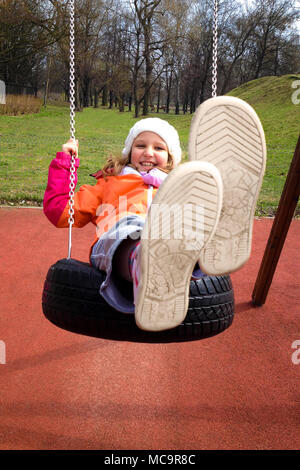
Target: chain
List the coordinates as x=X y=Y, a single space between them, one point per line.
x=72 y=120
x=215 y=51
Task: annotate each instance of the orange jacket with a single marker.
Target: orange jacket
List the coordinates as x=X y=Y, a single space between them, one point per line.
x=103 y=204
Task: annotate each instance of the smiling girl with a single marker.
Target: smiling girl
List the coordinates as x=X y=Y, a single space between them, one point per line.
x=158 y=265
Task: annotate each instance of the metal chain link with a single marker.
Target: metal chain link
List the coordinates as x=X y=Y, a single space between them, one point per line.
x=215 y=51
x=72 y=100
x=72 y=120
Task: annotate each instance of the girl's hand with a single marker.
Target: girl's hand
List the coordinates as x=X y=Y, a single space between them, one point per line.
x=71 y=147
x=154 y=177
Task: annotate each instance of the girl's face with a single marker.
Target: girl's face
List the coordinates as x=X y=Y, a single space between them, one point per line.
x=149 y=151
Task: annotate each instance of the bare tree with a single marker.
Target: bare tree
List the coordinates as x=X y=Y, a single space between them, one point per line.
x=143 y=50
x=135 y=59
x=234 y=42
x=27 y=29
x=145 y=11
x=274 y=17
x=173 y=29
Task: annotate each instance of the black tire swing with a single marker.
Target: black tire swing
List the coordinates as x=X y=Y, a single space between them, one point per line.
x=71 y=298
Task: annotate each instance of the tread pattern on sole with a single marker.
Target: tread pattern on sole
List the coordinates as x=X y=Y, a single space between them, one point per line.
x=228 y=135
x=172 y=239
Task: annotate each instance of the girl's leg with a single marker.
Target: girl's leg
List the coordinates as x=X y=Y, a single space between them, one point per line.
x=125 y=256
x=110 y=255
x=122 y=261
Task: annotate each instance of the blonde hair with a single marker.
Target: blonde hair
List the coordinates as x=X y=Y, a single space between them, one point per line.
x=114 y=165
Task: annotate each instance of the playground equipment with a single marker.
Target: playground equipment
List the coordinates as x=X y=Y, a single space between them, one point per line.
x=281 y=224
x=71 y=298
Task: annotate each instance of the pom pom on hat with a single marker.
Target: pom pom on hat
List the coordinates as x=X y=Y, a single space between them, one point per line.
x=160 y=127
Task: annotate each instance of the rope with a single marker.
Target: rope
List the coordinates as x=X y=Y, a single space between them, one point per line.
x=215 y=51
x=72 y=120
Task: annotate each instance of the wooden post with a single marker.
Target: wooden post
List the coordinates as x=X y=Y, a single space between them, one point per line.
x=281 y=224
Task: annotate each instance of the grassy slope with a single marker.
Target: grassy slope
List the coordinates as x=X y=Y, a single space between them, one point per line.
x=271 y=97
x=29 y=142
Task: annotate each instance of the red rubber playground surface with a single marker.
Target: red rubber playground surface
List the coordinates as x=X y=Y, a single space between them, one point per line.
x=58 y=390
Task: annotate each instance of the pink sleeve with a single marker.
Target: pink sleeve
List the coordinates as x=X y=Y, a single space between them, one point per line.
x=57 y=192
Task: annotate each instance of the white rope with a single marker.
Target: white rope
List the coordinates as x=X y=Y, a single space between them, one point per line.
x=215 y=51
x=72 y=120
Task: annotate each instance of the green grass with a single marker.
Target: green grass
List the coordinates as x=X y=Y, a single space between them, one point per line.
x=271 y=97
x=29 y=142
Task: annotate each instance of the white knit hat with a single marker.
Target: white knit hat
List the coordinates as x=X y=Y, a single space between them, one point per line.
x=167 y=132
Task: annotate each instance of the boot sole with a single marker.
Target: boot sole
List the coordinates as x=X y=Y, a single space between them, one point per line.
x=169 y=249
x=227 y=132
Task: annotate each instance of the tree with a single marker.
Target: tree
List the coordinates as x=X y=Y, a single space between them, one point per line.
x=173 y=29
x=145 y=11
x=143 y=50
x=198 y=55
x=92 y=17
x=273 y=19
x=27 y=29
x=234 y=42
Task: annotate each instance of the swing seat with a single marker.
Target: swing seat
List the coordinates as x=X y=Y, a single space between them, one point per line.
x=71 y=301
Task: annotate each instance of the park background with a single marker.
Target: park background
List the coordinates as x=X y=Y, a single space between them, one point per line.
x=135 y=59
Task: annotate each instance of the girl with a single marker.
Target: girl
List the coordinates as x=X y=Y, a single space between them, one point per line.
x=155 y=246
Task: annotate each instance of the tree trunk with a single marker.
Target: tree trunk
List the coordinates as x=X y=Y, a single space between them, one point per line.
x=148 y=69
x=177 y=106
x=158 y=97
x=169 y=86
x=86 y=92
x=47 y=82
x=96 y=98
x=77 y=95
x=111 y=99
x=276 y=61
x=104 y=96
x=185 y=103
x=147 y=93
x=193 y=100
x=261 y=56
x=121 y=103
